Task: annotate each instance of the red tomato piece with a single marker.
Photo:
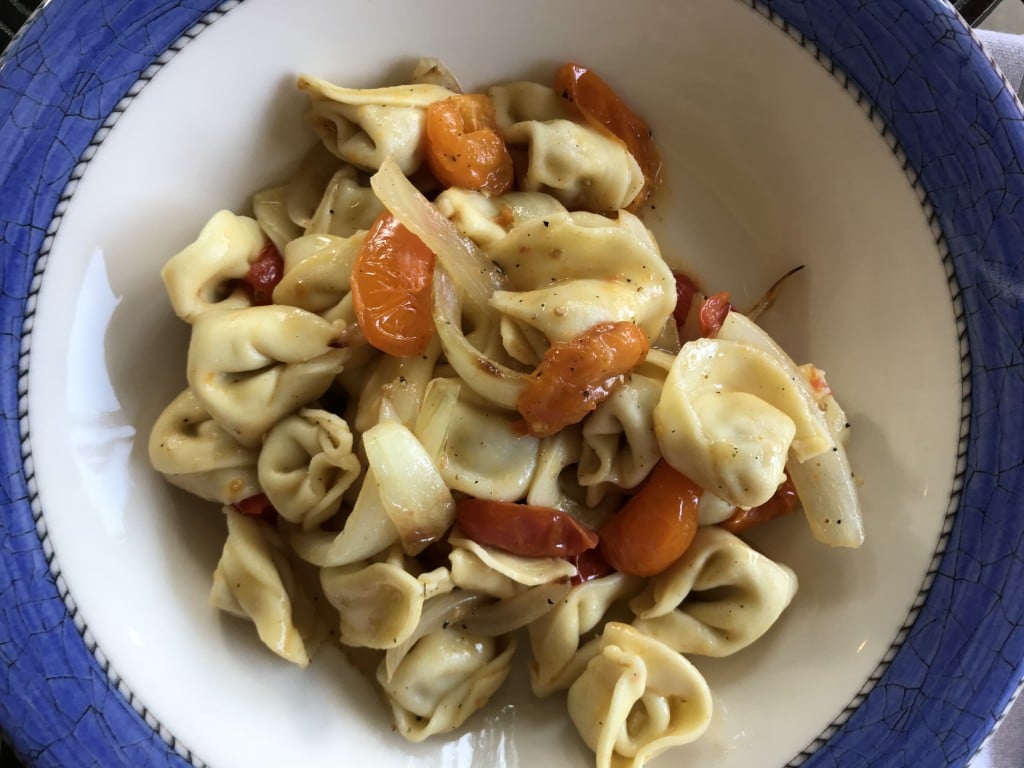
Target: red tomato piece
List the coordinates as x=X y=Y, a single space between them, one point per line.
x=782 y=502
x=713 y=312
x=263 y=276
x=575 y=376
x=655 y=527
x=392 y=279
x=523 y=529
x=464 y=148
x=601 y=106
x=256 y=506
x=590 y=565
x=685 y=290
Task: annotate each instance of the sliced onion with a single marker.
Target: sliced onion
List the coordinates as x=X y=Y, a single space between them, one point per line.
x=475 y=274
x=824 y=483
x=412 y=491
x=488 y=378
x=435 y=417
x=504 y=616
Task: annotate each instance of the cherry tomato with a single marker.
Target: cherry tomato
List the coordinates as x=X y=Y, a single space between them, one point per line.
x=256 y=506
x=464 y=148
x=713 y=312
x=523 y=529
x=264 y=274
x=601 y=106
x=685 y=290
x=655 y=527
x=392 y=278
x=575 y=376
x=590 y=565
x=781 y=503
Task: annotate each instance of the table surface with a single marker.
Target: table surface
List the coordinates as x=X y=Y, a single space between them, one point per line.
x=1006 y=748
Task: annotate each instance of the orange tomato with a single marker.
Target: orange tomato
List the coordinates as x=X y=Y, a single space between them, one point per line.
x=655 y=527
x=523 y=529
x=601 y=106
x=782 y=502
x=464 y=148
x=575 y=376
x=392 y=278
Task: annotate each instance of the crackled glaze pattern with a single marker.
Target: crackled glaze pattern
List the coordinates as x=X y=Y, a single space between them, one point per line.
x=959 y=126
x=60 y=701
x=929 y=86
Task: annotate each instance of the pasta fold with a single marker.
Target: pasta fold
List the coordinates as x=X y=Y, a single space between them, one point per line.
x=570 y=271
x=250 y=367
x=584 y=168
x=379 y=603
x=717 y=599
x=255 y=580
x=557 y=642
x=636 y=698
x=446 y=677
x=306 y=464
x=364 y=126
x=192 y=451
x=206 y=274
x=728 y=416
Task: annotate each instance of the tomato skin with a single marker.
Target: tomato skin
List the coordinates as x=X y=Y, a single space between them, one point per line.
x=590 y=565
x=464 y=148
x=713 y=312
x=523 y=529
x=263 y=276
x=602 y=107
x=576 y=376
x=655 y=527
x=686 y=288
x=782 y=502
x=256 y=506
x=392 y=279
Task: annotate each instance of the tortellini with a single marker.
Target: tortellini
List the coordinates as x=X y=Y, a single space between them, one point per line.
x=194 y=452
x=570 y=271
x=363 y=126
x=557 y=639
x=254 y=579
x=485 y=220
x=346 y=208
x=484 y=456
x=249 y=367
x=306 y=464
x=520 y=101
x=446 y=677
x=317 y=273
x=636 y=698
x=207 y=273
x=728 y=416
x=620 y=447
x=583 y=168
x=717 y=599
x=379 y=603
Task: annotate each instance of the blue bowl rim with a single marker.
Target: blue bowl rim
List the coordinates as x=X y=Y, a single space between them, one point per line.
x=955 y=666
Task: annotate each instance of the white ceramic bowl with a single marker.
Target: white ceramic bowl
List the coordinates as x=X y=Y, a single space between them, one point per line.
x=874 y=144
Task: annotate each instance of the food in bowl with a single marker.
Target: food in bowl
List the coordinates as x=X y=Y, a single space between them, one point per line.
x=448 y=391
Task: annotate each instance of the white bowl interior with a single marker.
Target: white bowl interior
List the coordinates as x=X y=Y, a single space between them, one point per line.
x=770 y=163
